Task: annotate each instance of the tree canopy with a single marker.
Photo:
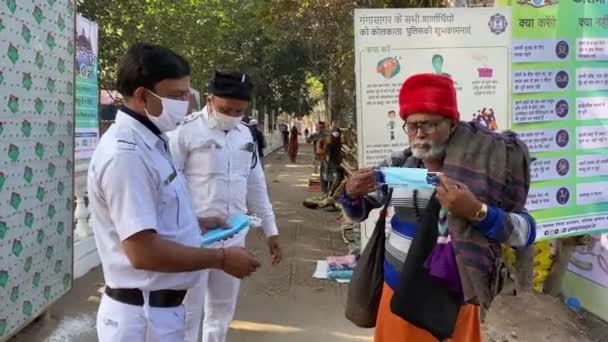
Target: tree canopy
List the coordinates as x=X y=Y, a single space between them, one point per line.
x=298 y=52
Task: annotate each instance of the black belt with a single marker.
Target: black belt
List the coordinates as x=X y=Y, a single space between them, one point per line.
x=157 y=299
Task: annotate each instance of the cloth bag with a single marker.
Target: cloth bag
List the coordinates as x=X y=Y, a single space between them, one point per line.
x=419 y=298
x=441 y=265
x=365 y=288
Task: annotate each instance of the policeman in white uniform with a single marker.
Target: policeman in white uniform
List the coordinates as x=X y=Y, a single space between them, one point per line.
x=147 y=233
x=218 y=156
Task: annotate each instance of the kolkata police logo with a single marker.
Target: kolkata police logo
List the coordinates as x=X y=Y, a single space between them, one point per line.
x=540 y=3
x=498 y=24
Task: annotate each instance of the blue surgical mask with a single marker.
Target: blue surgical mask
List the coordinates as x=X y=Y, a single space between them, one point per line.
x=401 y=177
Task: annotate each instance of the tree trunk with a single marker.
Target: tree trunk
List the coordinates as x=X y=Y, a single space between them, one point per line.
x=271 y=120
x=263 y=121
x=524 y=268
x=553 y=283
x=564 y=250
x=330 y=100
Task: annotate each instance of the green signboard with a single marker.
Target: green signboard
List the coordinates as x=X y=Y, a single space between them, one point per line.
x=560 y=109
x=87 y=88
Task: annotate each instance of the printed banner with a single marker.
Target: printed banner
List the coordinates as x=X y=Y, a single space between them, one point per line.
x=591 y=262
x=470 y=45
x=87 y=88
x=36 y=157
x=560 y=109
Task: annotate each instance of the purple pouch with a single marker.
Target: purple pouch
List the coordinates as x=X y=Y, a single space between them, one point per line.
x=441 y=264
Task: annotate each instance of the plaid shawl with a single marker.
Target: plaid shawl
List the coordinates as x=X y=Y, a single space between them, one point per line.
x=496 y=168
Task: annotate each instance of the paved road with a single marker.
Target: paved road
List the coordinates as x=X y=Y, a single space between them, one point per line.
x=278 y=303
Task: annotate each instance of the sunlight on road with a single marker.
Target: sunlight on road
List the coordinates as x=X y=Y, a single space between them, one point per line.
x=283 y=329
x=71 y=327
x=298 y=166
x=352 y=337
x=263 y=327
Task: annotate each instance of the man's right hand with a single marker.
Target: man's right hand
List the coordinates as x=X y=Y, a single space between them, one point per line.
x=361 y=183
x=239 y=262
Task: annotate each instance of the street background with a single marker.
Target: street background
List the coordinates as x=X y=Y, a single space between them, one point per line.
x=285 y=302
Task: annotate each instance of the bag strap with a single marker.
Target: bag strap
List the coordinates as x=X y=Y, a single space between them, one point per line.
x=381 y=221
x=254 y=156
x=387 y=203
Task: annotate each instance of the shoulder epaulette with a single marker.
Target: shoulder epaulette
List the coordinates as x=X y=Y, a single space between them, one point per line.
x=190 y=118
x=126 y=145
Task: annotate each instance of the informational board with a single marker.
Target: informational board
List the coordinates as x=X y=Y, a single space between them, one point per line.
x=87 y=88
x=470 y=45
x=560 y=109
x=591 y=262
x=36 y=157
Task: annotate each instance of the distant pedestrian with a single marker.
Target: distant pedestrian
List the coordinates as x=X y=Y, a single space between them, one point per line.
x=285 y=133
x=335 y=173
x=293 y=144
x=306 y=133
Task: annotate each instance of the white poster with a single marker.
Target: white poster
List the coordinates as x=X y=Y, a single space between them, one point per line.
x=470 y=45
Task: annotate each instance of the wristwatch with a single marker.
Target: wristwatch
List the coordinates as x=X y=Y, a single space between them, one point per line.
x=481 y=214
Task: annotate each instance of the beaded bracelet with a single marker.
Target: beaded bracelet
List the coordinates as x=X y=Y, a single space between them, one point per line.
x=223 y=258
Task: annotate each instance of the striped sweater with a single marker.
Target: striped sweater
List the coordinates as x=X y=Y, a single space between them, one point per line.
x=514 y=229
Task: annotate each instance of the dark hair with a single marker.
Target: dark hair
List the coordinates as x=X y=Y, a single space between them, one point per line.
x=145 y=65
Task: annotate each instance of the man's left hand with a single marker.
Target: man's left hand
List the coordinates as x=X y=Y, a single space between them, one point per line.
x=274 y=247
x=457 y=198
x=213 y=222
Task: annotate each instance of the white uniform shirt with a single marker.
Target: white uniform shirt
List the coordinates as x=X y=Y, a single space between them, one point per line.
x=133 y=186
x=218 y=170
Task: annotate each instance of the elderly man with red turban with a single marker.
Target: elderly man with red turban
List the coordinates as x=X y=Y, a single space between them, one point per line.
x=442 y=264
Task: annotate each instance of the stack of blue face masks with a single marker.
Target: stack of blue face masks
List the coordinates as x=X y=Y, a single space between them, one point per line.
x=237 y=223
x=401 y=177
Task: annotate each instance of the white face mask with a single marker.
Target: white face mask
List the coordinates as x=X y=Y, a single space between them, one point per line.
x=223 y=121
x=174 y=112
x=335 y=134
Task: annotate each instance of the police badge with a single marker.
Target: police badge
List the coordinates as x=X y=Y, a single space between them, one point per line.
x=498 y=24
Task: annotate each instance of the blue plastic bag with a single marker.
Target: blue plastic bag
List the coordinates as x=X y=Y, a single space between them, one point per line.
x=237 y=223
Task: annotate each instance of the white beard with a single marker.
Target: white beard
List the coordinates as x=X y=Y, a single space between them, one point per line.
x=429 y=151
